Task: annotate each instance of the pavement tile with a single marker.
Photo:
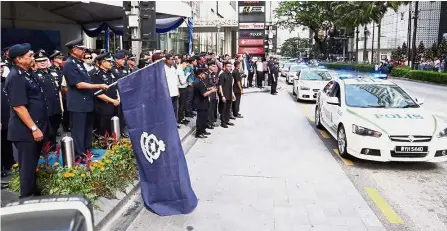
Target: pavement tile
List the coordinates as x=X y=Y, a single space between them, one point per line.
x=339 y=228
x=336 y=221
x=375 y=228
x=354 y=221
x=372 y=221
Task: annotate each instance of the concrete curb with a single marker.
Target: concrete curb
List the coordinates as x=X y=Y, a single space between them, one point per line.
x=131 y=190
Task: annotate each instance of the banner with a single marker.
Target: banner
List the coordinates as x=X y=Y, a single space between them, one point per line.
x=251 y=34
x=164 y=177
x=251 y=9
x=251 y=50
x=251 y=42
x=246 y=26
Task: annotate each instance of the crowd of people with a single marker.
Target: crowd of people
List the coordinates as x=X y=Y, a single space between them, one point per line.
x=42 y=92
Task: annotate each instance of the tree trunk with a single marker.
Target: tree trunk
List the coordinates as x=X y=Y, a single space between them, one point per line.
x=357 y=46
x=365 y=56
x=416 y=14
x=379 y=29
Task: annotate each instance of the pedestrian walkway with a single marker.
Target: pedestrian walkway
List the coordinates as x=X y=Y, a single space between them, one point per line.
x=269 y=172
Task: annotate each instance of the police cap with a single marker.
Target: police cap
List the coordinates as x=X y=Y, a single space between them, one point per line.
x=56 y=54
x=19 y=50
x=41 y=55
x=78 y=43
x=105 y=56
x=132 y=57
x=120 y=55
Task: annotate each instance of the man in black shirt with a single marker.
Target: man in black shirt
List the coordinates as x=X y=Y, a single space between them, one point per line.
x=201 y=103
x=211 y=82
x=237 y=89
x=226 y=94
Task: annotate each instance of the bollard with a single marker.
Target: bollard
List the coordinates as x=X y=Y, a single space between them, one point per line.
x=116 y=127
x=67 y=149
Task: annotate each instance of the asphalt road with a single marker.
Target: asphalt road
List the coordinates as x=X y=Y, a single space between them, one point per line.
x=415 y=192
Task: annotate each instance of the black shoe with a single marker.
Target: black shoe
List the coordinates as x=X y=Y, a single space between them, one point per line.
x=124 y=135
x=190 y=116
x=201 y=136
x=207 y=133
x=187 y=121
x=239 y=116
x=215 y=125
x=232 y=118
x=210 y=126
x=231 y=124
x=184 y=122
x=224 y=125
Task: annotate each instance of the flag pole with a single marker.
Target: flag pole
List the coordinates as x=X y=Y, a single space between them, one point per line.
x=113 y=84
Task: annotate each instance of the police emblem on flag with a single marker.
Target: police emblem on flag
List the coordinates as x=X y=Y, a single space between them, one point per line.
x=151 y=146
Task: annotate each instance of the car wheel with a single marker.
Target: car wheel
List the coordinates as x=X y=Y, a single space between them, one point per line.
x=342 y=142
x=318 y=118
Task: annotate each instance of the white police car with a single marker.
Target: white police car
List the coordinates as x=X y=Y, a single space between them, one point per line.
x=293 y=72
x=375 y=119
x=309 y=82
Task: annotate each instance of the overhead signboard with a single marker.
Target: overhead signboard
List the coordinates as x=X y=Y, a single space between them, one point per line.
x=251 y=26
x=251 y=9
x=251 y=34
x=251 y=3
x=251 y=50
x=251 y=42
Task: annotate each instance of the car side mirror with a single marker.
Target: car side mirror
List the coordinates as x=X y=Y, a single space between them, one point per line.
x=419 y=101
x=49 y=213
x=333 y=101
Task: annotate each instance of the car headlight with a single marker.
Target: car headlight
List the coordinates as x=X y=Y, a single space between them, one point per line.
x=304 y=88
x=442 y=133
x=362 y=131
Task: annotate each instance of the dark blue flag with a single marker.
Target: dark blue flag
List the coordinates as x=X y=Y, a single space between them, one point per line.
x=164 y=177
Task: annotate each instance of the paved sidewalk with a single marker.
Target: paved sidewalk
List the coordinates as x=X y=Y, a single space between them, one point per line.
x=269 y=172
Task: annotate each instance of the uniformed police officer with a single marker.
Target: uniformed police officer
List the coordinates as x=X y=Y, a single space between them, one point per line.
x=106 y=104
x=120 y=71
x=132 y=63
x=273 y=71
x=212 y=82
x=28 y=124
x=201 y=103
x=7 y=156
x=80 y=99
x=57 y=58
x=48 y=81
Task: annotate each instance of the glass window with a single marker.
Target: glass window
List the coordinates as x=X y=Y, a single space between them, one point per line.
x=297 y=67
x=316 y=75
x=377 y=95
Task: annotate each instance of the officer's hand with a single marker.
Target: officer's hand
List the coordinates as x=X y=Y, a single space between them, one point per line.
x=103 y=86
x=213 y=89
x=224 y=100
x=38 y=135
x=233 y=98
x=116 y=103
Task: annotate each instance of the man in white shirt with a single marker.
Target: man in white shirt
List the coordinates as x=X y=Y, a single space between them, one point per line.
x=183 y=85
x=173 y=83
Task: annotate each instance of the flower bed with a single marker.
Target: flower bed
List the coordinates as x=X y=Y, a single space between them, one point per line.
x=115 y=170
x=351 y=67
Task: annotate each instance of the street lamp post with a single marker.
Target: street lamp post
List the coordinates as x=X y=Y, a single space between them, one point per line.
x=218 y=37
x=372 y=44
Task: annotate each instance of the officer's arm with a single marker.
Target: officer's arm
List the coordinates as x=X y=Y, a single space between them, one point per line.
x=105 y=98
x=72 y=76
x=24 y=115
x=18 y=98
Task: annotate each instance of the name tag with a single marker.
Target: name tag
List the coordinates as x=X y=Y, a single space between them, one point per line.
x=54 y=74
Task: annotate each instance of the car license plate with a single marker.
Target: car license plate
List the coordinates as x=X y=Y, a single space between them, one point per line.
x=413 y=149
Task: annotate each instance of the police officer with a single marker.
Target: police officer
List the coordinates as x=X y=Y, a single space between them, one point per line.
x=51 y=89
x=106 y=104
x=201 y=103
x=237 y=89
x=120 y=70
x=273 y=71
x=56 y=69
x=226 y=94
x=132 y=63
x=212 y=82
x=7 y=156
x=28 y=123
x=189 y=73
x=80 y=99
x=57 y=58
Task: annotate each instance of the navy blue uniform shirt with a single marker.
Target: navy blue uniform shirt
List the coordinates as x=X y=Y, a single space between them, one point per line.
x=102 y=77
x=78 y=100
x=120 y=72
x=56 y=72
x=5 y=105
x=200 y=101
x=51 y=89
x=24 y=90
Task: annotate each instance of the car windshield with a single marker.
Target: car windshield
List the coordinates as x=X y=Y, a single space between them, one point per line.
x=281 y=64
x=297 y=67
x=377 y=96
x=287 y=65
x=316 y=75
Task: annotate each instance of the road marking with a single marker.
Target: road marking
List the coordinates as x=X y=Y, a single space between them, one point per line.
x=345 y=161
x=384 y=207
x=324 y=134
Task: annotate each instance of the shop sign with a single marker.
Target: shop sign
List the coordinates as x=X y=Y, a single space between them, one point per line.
x=251 y=34
x=251 y=26
x=251 y=42
x=251 y=50
x=251 y=9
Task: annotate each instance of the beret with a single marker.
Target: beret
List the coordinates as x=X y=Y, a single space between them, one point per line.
x=125 y=52
x=105 y=56
x=41 y=55
x=19 y=50
x=120 y=55
x=75 y=43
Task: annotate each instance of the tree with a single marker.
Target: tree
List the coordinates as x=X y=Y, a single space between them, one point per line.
x=435 y=50
x=420 y=51
x=442 y=48
x=404 y=51
x=292 y=46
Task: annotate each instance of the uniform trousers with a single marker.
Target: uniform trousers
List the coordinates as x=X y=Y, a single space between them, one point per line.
x=182 y=104
x=104 y=124
x=270 y=78
x=225 y=111
x=7 y=152
x=236 y=104
x=122 y=121
x=28 y=157
x=81 y=131
x=274 y=83
x=212 y=111
x=259 y=78
x=174 y=101
x=250 y=79
x=65 y=116
x=202 y=117
x=190 y=97
x=55 y=122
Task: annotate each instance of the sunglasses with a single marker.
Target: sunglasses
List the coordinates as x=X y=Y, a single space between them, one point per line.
x=87 y=57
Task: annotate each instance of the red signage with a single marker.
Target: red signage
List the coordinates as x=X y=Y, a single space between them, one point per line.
x=251 y=42
x=251 y=50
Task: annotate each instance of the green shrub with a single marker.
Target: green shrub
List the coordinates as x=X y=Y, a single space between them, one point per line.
x=429 y=76
x=400 y=71
x=351 y=67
